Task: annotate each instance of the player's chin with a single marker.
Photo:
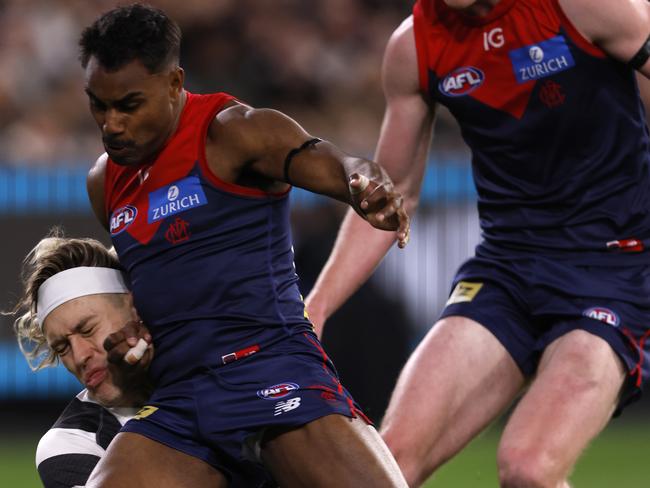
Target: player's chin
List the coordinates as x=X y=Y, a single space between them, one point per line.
x=106 y=394
x=125 y=157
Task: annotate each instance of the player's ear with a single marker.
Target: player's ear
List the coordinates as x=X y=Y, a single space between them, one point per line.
x=176 y=80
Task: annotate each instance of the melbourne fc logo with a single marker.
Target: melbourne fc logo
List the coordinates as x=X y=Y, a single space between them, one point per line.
x=178 y=231
x=122 y=218
x=551 y=94
x=280 y=390
x=603 y=314
x=461 y=81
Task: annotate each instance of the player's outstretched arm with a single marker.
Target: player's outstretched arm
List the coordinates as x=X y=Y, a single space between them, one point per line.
x=402 y=151
x=263 y=145
x=620 y=28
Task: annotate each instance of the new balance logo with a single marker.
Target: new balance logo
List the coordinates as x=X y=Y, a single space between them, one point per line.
x=286 y=406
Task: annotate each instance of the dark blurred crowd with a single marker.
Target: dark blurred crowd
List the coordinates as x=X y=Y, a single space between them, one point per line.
x=317 y=60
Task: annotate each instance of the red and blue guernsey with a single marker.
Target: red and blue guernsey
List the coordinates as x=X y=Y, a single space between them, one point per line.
x=557 y=130
x=210 y=263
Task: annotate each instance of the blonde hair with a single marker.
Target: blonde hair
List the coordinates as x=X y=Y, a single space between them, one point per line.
x=50 y=256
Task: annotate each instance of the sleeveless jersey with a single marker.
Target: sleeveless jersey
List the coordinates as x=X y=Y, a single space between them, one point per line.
x=210 y=263
x=557 y=131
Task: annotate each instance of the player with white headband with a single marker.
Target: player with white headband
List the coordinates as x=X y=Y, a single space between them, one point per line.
x=74 y=297
x=79 y=282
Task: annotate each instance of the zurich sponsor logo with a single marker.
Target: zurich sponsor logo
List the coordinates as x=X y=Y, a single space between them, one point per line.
x=603 y=314
x=461 y=81
x=280 y=390
x=542 y=59
x=178 y=197
x=122 y=218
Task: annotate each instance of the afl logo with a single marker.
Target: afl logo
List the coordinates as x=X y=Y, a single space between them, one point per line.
x=172 y=193
x=536 y=54
x=277 y=391
x=602 y=314
x=461 y=81
x=122 y=218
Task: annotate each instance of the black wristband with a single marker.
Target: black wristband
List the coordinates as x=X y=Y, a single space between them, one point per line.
x=641 y=56
x=292 y=153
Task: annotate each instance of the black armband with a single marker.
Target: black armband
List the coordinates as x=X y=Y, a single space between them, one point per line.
x=641 y=56
x=293 y=152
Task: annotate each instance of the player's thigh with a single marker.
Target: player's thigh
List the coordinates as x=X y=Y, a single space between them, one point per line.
x=334 y=450
x=572 y=398
x=456 y=382
x=133 y=460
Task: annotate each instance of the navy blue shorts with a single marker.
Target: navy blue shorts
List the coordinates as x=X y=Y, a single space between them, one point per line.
x=220 y=415
x=528 y=302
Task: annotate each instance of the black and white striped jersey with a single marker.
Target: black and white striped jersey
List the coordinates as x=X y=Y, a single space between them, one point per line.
x=68 y=452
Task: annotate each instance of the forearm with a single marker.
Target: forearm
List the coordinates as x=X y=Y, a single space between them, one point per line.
x=327 y=170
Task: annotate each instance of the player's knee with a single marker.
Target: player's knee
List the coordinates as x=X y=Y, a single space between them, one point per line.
x=525 y=468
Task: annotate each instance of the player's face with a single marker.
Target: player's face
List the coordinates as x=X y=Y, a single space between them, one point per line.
x=135 y=110
x=76 y=331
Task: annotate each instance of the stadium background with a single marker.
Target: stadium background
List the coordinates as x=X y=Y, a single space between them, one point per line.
x=316 y=60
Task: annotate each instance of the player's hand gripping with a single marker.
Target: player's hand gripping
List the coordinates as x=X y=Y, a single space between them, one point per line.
x=380 y=205
x=131 y=344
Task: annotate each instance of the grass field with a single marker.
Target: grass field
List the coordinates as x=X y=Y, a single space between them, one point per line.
x=617 y=459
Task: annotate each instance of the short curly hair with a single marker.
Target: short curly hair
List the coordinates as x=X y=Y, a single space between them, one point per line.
x=50 y=256
x=134 y=32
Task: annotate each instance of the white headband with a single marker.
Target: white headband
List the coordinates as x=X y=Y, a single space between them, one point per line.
x=74 y=283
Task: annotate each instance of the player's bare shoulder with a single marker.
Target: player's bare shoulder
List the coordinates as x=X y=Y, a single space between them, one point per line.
x=619 y=28
x=241 y=120
x=98 y=170
x=246 y=134
x=400 y=66
x=401 y=44
x=95 y=186
x=231 y=126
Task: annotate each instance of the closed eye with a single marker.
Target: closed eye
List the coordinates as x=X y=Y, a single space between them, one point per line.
x=97 y=105
x=61 y=349
x=129 y=107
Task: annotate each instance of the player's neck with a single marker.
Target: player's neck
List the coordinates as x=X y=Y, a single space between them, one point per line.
x=481 y=8
x=179 y=111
